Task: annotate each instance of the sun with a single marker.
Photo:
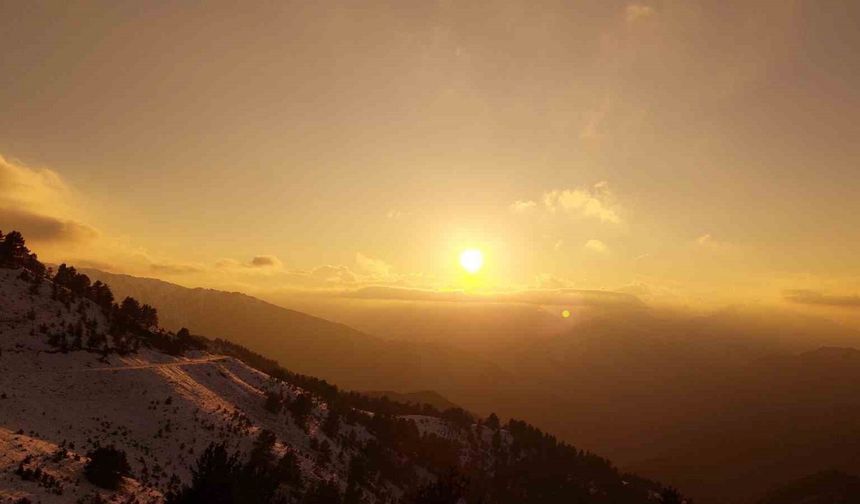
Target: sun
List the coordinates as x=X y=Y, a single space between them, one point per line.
x=471 y=260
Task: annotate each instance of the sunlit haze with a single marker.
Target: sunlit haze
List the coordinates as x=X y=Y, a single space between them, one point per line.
x=689 y=153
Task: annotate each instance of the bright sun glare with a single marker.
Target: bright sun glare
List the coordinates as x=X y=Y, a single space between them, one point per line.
x=472 y=260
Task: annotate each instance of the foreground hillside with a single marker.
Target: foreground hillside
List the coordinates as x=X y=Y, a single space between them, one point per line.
x=99 y=405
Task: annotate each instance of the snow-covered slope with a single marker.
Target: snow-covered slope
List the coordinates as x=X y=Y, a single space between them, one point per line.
x=162 y=410
x=42 y=471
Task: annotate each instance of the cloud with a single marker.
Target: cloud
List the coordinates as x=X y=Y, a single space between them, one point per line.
x=597 y=202
x=810 y=297
x=333 y=274
x=266 y=261
x=174 y=269
x=637 y=289
x=522 y=206
x=710 y=243
x=396 y=214
x=96 y=265
x=37 y=203
x=638 y=12
x=43 y=228
x=22 y=186
x=259 y=263
x=596 y=246
x=227 y=264
x=547 y=281
x=374 y=267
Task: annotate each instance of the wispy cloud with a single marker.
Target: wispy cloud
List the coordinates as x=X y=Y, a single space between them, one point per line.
x=811 y=297
x=396 y=214
x=548 y=281
x=596 y=246
x=174 y=268
x=369 y=265
x=261 y=263
x=638 y=12
x=708 y=242
x=521 y=207
x=333 y=274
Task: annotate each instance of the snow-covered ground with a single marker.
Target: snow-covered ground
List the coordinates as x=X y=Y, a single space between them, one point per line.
x=162 y=410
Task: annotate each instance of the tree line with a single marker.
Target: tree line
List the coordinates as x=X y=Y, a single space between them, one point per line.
x=131 y=323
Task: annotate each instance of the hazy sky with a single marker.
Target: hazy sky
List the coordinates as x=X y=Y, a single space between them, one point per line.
x=675 y=150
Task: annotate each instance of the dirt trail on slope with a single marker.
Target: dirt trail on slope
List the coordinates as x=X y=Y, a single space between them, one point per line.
x=193 y=362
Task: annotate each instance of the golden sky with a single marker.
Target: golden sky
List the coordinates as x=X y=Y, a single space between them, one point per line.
x=680 y=151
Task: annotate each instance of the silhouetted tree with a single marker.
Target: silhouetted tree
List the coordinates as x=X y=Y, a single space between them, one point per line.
x=129 y=309
x=448 y=489
x=147 y=317
x=332 y=422
x=13 y=250
x=274 y=402
x=213 y=481
x=261 y=452
x=324 y=492
x=288 y=470
x=357 y=477
x=106 y=467
x=301 y=407
x=671 y=495
x=101 y=294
